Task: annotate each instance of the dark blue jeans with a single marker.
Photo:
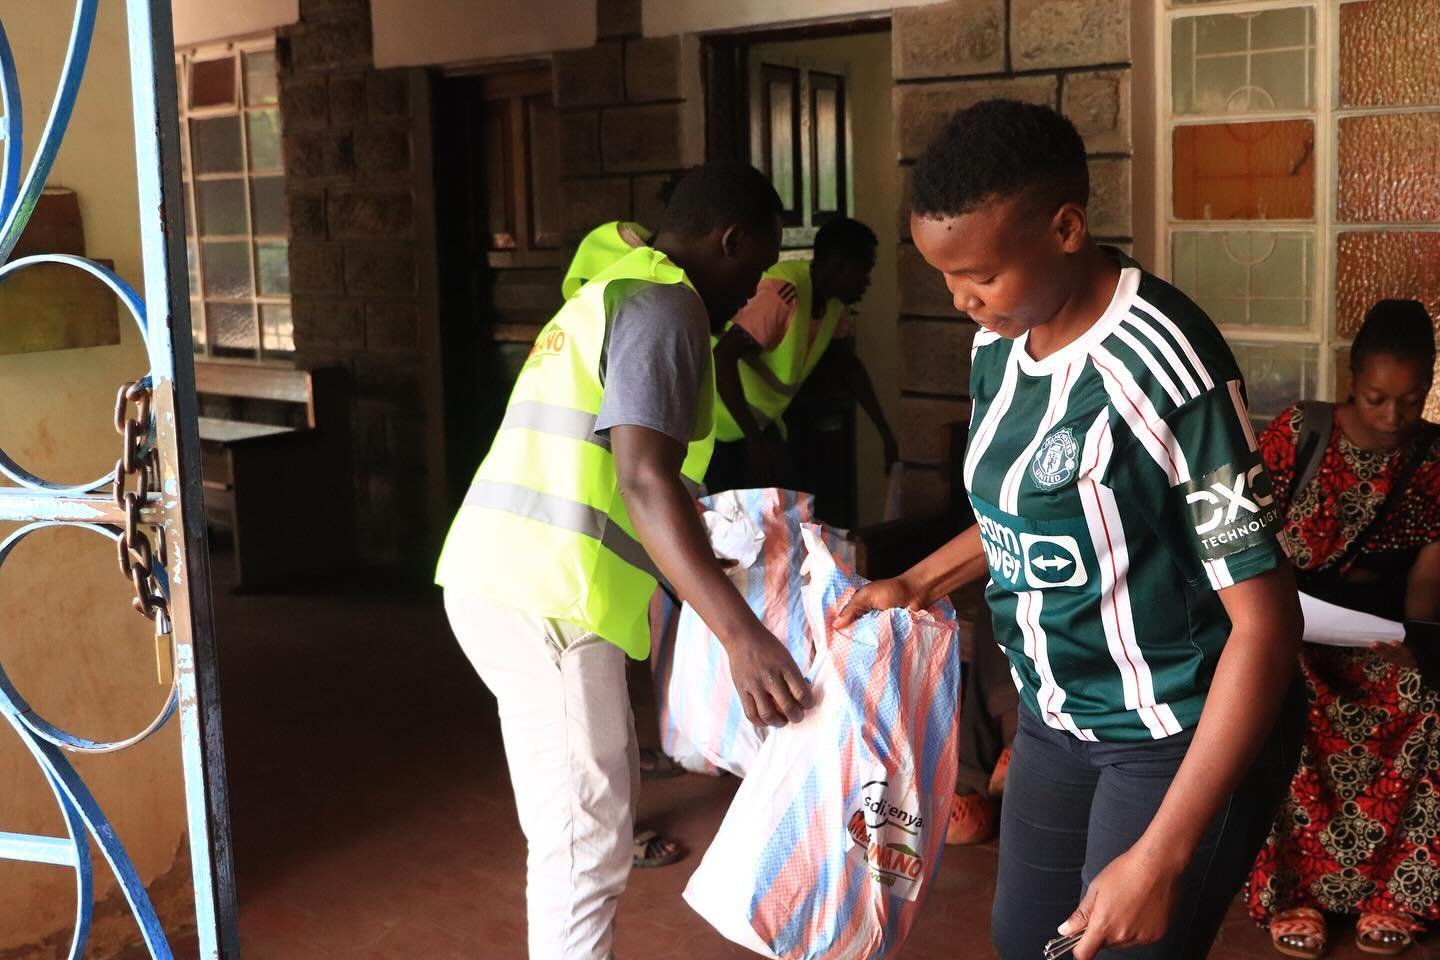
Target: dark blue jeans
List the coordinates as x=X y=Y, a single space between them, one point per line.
x=1072 y=806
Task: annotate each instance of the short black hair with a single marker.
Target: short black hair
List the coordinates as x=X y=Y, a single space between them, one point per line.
x=845 y=237
x=720 y=194
x=1000 y=148
x=1396 y=328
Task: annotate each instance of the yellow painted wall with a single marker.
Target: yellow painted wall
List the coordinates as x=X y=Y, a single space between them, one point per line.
x=865 y=59
x=69 y=639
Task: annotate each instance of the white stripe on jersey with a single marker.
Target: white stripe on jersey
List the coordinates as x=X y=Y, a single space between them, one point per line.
x=1242 y=414
x=1157 y=371
x=980 y=440
x=1102 y=515
x=1131 y=402
x=1180 y=338
x=1219 y=573
x=1061 y=383
x=1144 y=325
x=982 y=338
x=1050 y=696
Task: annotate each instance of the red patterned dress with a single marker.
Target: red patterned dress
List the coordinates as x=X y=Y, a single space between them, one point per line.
x=1360 y=830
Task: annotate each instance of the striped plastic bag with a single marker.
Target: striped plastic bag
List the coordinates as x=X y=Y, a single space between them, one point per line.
x=834 y=838
x=702 y=724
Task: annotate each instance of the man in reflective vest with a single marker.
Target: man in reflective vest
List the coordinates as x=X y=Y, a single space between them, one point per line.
x=774 y=344
x=576 y=510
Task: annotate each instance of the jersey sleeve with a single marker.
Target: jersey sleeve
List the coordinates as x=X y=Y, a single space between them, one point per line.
x=1198 y=475
x=766 y=317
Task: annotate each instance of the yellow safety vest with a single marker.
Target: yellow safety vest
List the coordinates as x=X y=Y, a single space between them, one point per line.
x=543 y=527
x=771 y=378
x=601 y=247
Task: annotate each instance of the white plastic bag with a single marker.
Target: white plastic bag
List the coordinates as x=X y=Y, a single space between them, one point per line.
x=833 y=840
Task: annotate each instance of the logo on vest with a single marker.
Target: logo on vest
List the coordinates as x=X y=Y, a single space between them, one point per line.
x=1055 y=461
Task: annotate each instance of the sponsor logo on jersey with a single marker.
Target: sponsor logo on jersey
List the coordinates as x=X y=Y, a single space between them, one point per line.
x=1232 y=508
x=1055 y=460
x=1030 y=560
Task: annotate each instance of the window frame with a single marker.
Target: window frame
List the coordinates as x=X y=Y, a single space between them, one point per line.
x=1320 y=331
x=237 y=51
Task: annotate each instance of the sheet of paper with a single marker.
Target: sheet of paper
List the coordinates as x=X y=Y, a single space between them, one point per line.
x=1338 y=627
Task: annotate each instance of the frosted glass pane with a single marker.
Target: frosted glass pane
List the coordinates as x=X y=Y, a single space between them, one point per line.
x=1243 y=62
x=272 y=262
x=232 y=328
x=227 y=270
x=276 y=328
x=264 y=133
x=1245 y=171
x=1388 y=53
x=1390 y=168
x=217 y=145
x=782 y=143
x=260 y=86
x=1375 y=265
x=192 y=257
x=267 y=196
x=197 y=325
x=1246 y=276
x=1221 y=34
x=212 y=83
x=827 y=154
x=222 y=207
x=1276 y=375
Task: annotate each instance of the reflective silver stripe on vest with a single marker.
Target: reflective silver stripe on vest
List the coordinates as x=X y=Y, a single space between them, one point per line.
x=555 y=511
x=553 y=419
x=772 y=380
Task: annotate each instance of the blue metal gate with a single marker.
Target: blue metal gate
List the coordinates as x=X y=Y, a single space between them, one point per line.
x=149 y=505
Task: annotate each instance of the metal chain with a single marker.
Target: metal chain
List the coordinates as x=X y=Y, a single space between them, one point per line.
x=138 y=460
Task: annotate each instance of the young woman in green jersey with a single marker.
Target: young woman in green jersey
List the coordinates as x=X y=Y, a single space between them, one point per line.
x=1137 y=579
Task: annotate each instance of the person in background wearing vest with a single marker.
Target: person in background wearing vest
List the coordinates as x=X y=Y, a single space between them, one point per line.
x=609 y=242
x=1138 y=578
x=1360 y=483
x=580 y=505
x=773 y=345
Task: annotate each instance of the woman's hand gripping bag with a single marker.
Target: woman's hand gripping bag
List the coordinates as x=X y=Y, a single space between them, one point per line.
x=702 y=723
x=834 y=838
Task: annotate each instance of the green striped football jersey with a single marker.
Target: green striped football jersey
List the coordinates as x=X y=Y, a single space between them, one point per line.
x=1118 y=486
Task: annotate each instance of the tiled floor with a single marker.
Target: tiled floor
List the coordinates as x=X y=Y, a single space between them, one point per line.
x=373 y=819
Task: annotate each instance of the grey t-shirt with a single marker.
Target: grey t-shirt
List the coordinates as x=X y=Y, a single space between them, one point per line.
x=656 y=349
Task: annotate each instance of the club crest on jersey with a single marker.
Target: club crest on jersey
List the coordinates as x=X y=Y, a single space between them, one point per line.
x=1055 y=461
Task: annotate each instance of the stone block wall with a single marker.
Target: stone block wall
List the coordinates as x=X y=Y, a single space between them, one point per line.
x=1071 y=54
x=623 y=120
x=361 y=247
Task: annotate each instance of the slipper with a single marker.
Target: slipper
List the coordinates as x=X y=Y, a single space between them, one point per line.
x=651 y=852
x=1386 y=934
x=1299 y=932
x=997 y=776
x=656 y=765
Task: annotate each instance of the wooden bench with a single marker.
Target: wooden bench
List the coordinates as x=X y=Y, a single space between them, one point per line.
x=283 y=492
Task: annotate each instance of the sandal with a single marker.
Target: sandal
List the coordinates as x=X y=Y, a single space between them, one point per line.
x=997 y=776
x=1299 y=932
x=972 y=820
x=657 y=765
x=653 y=850
x=1386 y=934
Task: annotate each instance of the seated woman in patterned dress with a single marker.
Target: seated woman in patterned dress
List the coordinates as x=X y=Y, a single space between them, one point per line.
x=1360 y=832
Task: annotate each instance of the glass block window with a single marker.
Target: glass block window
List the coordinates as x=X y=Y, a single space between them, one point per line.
x=236 y=223
x=1301 y=175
